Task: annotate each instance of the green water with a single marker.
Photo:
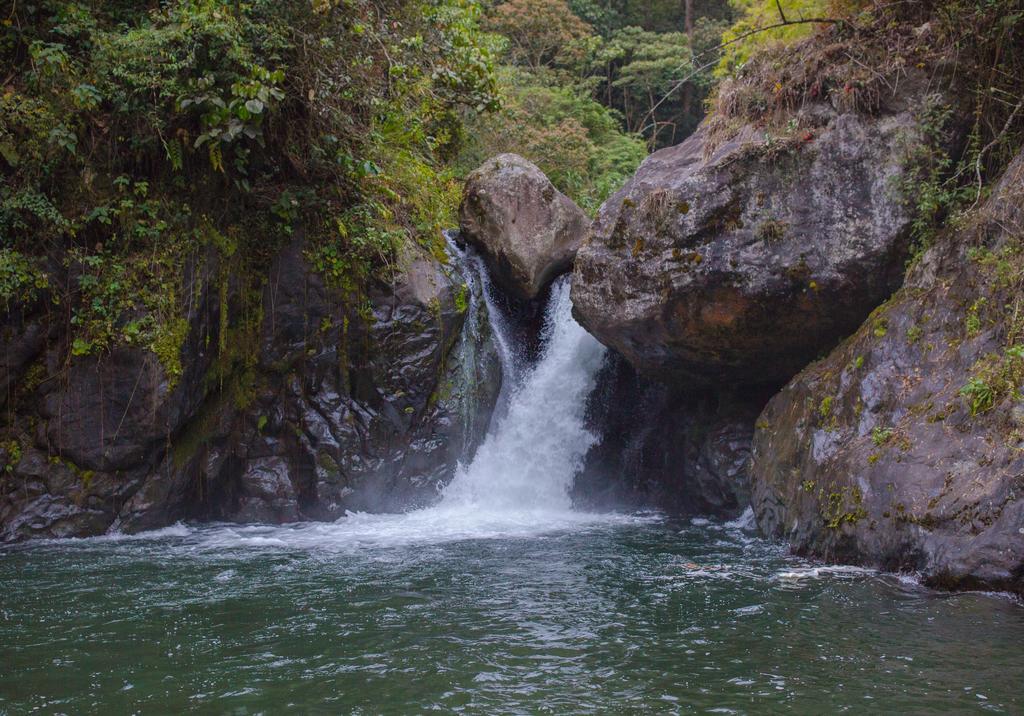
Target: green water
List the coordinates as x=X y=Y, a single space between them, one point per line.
x=615 y=616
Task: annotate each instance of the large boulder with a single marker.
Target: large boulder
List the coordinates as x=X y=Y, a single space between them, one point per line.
x=904 y=448
x=526 y=230
x=741 y=259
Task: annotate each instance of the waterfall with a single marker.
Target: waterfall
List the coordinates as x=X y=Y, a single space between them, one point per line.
x=471 y=268
x=537 y=444
x=518 y=482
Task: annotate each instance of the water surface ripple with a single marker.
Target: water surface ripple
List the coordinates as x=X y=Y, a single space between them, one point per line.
x=376 y=615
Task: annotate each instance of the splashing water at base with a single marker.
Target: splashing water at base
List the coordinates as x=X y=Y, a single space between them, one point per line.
x=529 y=460
x=518 y=482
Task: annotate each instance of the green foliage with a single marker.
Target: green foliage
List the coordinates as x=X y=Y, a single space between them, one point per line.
x=636 y=65
x=20 y=277
x=166 y=343
x=239 y=114
x=539 y=31
x=363 y=240
x=607 y=16
x=994 y=378
x=972 y=321
x=755 y=14
x=839 y=513
x=643 y=67
x=979 y=394
x=825 y=409
x=139 y=142
x=575 y=140
x=839 y=505
x=982 y=34
x=12 y=454
x=462 y=298
x=658 y=80
x=927 y=185
x=880 y=436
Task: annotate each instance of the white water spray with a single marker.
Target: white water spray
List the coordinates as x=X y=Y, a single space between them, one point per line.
x=536 y=448
x=518 y=482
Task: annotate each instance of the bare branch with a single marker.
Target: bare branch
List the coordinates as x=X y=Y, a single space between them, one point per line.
x=994 y=142
x=782 y=15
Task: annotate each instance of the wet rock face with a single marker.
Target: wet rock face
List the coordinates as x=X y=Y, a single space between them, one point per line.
x=324 y=405
x=23 y=333
x=46 y=497
x=682 y=451
x=370 y=414
x=86 y=434
x=526 y=230
x=873 y=456
x=744 y=261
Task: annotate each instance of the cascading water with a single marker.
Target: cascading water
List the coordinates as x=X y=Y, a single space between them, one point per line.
x=481 y=290
x=518 y=481
x=537 y=439
x=535 y=449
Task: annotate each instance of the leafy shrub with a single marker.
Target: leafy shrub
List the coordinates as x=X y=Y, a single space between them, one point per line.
x=139 y=139
x=20 y=278
x=575 y=140
x=880 y=436
x=995 y=378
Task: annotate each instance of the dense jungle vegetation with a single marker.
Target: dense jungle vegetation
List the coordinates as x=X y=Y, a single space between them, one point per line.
x=141 y=139
x=138 y=140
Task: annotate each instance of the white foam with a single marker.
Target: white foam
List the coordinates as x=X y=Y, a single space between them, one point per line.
x=438 y=525
x=178 y=529
x=825 y=571
x=529 y=460
x=746 y=521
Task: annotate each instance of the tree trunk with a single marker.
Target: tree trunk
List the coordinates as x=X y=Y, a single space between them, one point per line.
x=688 y=90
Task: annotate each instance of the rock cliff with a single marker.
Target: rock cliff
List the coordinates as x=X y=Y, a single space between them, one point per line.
x=904 y=448
x=293 y=402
